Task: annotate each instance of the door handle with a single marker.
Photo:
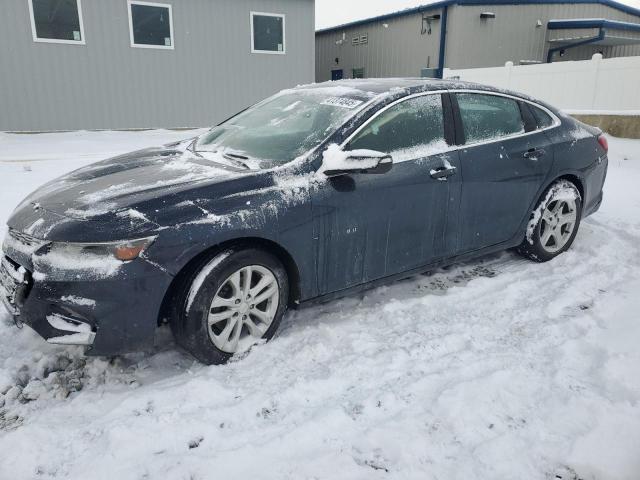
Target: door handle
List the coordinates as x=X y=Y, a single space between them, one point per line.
x=534 y=153
x=442 y=173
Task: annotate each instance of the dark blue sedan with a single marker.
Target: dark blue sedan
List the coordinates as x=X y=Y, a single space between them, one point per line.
x=316 y=192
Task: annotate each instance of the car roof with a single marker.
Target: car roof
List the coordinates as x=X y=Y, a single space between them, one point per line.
x=380 y=86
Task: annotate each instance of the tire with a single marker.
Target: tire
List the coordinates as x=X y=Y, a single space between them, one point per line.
x=214 y=304
x=547 y=234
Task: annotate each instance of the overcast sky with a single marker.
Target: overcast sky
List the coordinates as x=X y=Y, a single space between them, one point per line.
x=335 y=12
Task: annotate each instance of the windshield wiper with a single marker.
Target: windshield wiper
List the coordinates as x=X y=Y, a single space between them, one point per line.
x=232 y=157
x=237 y=159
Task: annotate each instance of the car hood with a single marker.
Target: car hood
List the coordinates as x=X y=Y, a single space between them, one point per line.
x=118 y=186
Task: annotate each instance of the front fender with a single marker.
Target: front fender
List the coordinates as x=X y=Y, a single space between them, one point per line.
x=284 y=221
x=175 y=250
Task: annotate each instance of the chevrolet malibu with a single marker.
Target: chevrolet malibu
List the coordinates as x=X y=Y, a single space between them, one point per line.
x=317 y=192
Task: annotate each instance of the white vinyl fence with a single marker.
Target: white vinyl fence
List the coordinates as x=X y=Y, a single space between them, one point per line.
x=596 y=86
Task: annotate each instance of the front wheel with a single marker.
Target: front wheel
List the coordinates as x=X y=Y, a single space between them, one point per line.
x=554 y=223
x=235 y=299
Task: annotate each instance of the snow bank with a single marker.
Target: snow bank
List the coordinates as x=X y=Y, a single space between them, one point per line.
x=497 y=368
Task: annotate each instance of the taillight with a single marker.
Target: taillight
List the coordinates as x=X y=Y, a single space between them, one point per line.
x=602 y=140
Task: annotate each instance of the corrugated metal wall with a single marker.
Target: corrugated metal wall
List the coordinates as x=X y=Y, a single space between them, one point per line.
x=395 y=47
x=401 y=50
x=210 y=75
x=514 y=36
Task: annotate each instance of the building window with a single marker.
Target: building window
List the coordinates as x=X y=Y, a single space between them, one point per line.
x=267 y=33
x=150 y=25
x=57 y=21
x=357 y=73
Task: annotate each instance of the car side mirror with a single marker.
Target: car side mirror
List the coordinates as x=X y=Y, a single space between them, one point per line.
x=357 y=161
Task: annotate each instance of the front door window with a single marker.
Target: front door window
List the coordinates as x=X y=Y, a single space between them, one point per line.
x=409 y=130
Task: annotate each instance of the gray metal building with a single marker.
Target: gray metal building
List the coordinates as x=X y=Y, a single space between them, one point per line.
x=475 y=33
x=98 y=64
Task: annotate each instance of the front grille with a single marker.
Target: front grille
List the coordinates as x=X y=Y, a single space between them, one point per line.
x=15 y=283
x=25 y=239
x=20 y=246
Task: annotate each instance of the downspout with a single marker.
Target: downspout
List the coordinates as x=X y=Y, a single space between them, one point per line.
x=443 y=41
x=598 y=38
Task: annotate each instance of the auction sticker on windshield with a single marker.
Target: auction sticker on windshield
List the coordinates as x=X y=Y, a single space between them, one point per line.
x=342 y=102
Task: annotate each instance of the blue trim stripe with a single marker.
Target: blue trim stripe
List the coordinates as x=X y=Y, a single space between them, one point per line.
x=592 y=23
x=446 y=3
x=601 y=35
x=443 y=41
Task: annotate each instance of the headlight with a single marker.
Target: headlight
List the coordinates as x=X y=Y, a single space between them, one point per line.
x=64 y=261
x=125 y=250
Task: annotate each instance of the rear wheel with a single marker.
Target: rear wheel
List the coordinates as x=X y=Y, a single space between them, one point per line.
x=232 y=301
x=554 y=223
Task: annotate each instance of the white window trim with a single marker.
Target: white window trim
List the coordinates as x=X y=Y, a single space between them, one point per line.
x=150 y=4
x=284 y=33
x=55 y=40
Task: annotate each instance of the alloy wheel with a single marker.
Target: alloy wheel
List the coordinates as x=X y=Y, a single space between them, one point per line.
x=243 y=308
x=557 y=225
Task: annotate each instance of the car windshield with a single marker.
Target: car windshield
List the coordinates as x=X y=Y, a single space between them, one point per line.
x=281 y=128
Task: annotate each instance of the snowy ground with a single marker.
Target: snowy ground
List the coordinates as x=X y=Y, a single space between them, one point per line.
x=496 y=369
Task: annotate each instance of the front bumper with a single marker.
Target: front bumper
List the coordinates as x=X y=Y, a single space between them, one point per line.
x=109 y=315
x=15 y=283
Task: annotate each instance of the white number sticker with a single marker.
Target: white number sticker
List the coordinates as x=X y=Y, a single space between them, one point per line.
x=342 y=102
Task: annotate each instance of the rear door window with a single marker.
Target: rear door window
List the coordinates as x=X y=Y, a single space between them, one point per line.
x=488 y=117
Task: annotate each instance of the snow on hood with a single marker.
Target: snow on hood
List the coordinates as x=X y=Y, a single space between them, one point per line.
x=112 y=184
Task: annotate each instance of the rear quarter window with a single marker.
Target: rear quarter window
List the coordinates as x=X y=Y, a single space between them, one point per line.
x=543 y=119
